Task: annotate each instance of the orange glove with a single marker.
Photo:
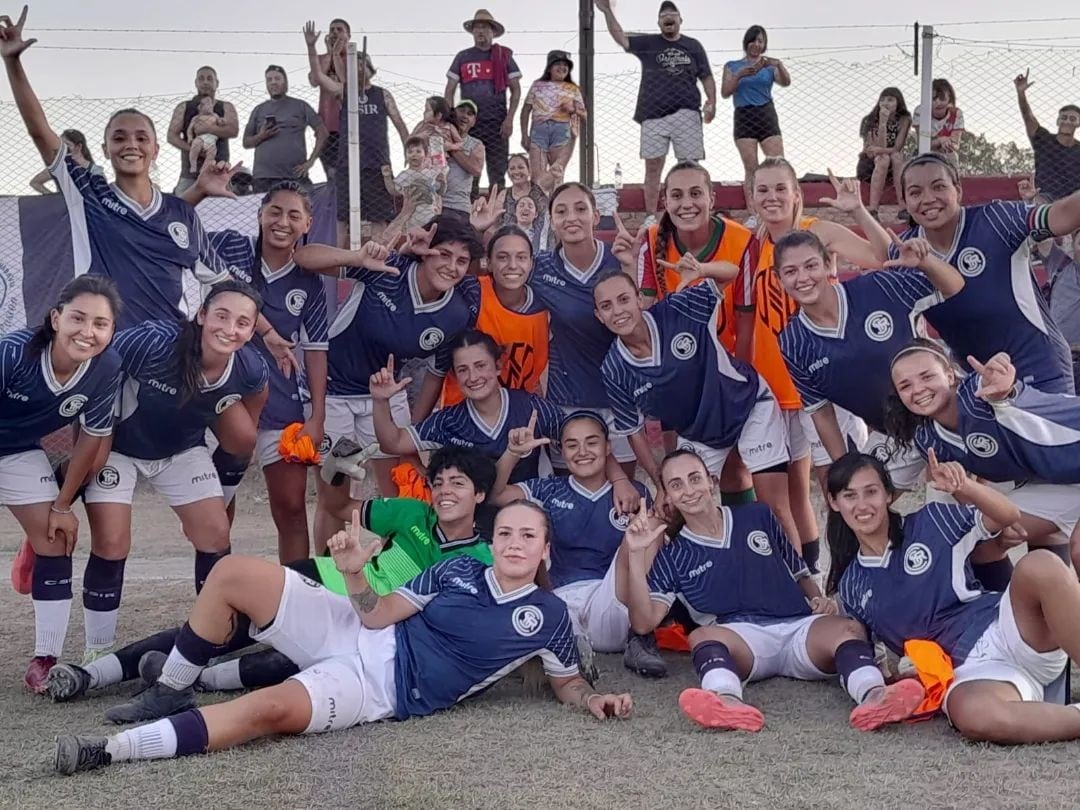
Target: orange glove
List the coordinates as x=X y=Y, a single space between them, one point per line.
x=295 y=448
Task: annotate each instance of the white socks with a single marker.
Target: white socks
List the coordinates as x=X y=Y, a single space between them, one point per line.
x=100 y=628
x=105 y=671
x=223 y=677
x=179 y=673
x=155 y=740
x=861 y=681
x=50 y=626
x=722 y=681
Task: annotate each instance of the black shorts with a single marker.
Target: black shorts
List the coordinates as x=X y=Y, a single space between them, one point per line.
x=376 y=204
x=865 y=170
x=756 y=123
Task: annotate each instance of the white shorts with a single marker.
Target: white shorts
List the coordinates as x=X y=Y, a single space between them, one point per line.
x=1057 y=503
x=762 y=443
x=798 y=443
x=620 y=445
x=779 y=649
x=347 y=669
x=181 y=479
x=1001 y=654
x=351 y=417
x=681 y=129
x=852 y=428
x=27 y=478
x=905 y=466
x=596 y=612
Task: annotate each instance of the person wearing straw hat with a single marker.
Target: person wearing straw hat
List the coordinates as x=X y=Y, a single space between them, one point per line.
x=485 y=72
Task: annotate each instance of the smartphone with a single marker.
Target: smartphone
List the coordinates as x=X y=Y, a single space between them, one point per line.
x=271 y=120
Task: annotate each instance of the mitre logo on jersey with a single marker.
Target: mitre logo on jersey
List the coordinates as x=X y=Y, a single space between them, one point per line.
x=550 y=279
x=818 y=364
x=917 y=559
x=701 y=569
x=970 y=261
x=465 y=586
x=390 y=305
x=225 y=402
x=684 y=346
x=295 y=300
x=431 y=338
x=179 y=233
x=879 y=326
x=163 y=387
x=982 y=445
x=72 y=405
x=759 y=543
x=561 y=503
x=527 y=620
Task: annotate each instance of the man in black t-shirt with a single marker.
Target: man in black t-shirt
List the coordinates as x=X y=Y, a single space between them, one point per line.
x=669 y=105
x=1057 y=157
x=228 y=126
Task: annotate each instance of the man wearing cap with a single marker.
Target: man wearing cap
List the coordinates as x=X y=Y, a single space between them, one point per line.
x=669 y=105
x=485 y=72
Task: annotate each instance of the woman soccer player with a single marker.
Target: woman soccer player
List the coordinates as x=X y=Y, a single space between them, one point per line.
x=62 y=372
x=988 y=244
x=1022 y=439
x=761 y=613
x=294 y=303
x=587 y=527
x=406 y=304
x=839 y=345
x=179 y=378
x=453 y=631
x=908 y=578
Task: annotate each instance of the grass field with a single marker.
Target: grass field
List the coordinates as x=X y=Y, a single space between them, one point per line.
x=499 y=750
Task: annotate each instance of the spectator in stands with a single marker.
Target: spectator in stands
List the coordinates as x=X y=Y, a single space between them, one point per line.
x=421 y=182
x=80 y=152
x=519 y=170
x=485 y=72
x=535 y=223
x=227 y=126
x=465 y=159
x=884 y=131
x=669 y=106
x=749 y=82
x=375 y=109
x=946 y=121
x=555 y=105
x=332 y=65
x=1057 y=157
x=276 y=131
x=200 y=134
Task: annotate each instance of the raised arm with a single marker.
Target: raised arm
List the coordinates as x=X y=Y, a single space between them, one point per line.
x=869 y=253
x=393 y=440
x=329 y=260
x=1022 y=83
x=317 y=75
x=613 y=27
x=918 y=253
x=12 y=47
x=639 y=545
x=951 y=478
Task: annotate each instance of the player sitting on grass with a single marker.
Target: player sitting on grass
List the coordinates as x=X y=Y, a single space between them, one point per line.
x=415 y=537
x=761 y=613
x=449 y=633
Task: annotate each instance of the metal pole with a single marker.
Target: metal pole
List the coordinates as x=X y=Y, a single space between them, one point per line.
x=352 y=91
x=586 y=71
x=927 y=94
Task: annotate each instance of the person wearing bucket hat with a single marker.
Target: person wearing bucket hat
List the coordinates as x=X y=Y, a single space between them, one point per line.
x=486 y=74
x=669 y=107
x=555 y=105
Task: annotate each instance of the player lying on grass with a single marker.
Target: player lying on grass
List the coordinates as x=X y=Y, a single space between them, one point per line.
x=761 y=615
x=908 y=578
x=415 y=537
x=449 y=633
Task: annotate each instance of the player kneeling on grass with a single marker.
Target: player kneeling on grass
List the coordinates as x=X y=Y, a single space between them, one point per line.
x=449 y=633
x=761 y=613
x=908 y=578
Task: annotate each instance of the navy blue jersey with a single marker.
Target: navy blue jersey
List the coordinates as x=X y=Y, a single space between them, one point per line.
x=33 y=403
x=1000 y=308
x=469 y=634
x=924 y=589
x=751 y=574
x=294 y=302
x=384 y=314
x=849 y=365
x=587 y=528
x=461 y=426
x=689 y=382
x=579 y=341
x=153 y=422
x=159 y=257
x=1033 y=436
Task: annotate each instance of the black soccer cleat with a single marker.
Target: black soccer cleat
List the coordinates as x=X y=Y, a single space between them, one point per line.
x=66 y=682
x=79 y=753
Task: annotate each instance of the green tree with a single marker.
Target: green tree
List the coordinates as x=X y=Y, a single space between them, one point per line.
x=980 y=156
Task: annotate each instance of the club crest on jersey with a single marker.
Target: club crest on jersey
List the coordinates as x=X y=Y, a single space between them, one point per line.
x=759 y=543
x=970 y=261
x=295 y=300
x=527 y=620
x=431 y=338
x=982 y=445
x=72 y=405
x=108 y=477
x=917 y=559
x=620 y=522
x=225 y=402
x=179 y=233
x=879 y=326
x=684 y=346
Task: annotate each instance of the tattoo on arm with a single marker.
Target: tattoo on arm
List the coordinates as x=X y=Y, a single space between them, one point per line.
x=365 y=602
